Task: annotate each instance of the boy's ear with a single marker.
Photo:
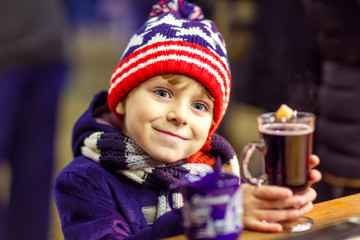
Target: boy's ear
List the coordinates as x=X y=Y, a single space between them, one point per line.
x=120 y=108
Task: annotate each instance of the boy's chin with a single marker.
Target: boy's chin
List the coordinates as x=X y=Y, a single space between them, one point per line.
x=168 y=158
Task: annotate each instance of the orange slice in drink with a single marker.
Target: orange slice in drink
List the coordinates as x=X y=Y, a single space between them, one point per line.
x=284 y=113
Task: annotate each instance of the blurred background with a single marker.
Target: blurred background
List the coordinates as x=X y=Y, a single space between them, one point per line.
x=272 y=46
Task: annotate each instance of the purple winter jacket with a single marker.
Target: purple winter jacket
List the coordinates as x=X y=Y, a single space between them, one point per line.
x=94 y=204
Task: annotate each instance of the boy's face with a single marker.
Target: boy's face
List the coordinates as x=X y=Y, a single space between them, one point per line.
x=169 y=121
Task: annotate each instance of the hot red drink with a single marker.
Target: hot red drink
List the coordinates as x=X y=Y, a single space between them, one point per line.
x=285 y=146
x=288 y=147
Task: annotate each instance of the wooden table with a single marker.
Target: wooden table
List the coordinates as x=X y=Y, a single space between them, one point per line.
x=323 y=214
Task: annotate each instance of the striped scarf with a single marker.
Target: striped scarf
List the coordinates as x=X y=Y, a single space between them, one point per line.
x=122 y=155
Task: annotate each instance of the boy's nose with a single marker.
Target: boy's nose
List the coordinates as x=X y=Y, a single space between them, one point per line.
x=178 y=114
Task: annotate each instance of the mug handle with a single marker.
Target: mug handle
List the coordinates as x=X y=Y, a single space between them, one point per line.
x=245 y=157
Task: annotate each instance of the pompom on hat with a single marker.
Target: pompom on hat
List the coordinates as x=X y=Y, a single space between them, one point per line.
x=176 y=39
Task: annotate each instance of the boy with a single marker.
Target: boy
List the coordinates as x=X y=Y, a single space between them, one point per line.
x=156 y=123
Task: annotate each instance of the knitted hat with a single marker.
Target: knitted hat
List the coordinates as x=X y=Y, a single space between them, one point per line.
x=176 y=39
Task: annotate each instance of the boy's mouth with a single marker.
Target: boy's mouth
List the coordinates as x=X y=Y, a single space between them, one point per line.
x=171 y=134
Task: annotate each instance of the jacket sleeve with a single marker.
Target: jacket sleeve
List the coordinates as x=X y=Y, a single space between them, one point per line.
x=88 y=212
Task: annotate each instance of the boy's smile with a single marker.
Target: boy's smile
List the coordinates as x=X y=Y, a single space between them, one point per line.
x=171 y=135
x=169 y=120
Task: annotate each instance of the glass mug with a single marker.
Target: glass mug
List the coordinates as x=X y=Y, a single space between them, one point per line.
x=212 y=206
x=285 y=146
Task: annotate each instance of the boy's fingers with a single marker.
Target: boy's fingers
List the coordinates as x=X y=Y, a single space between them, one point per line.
x=307 y=208
x=302 y=199
x=314 y=160
x=277 y=215
x=268 y=220
x=287 y=203
x=315 y=176
x=272 y=204
x=268 y=192
x=309 y=194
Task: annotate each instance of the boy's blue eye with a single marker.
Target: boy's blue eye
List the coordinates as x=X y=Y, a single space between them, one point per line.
x=200 y=106
x=162 y=93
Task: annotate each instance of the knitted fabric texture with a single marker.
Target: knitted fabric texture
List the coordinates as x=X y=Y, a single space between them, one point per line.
x=121 y=155
x=176 y=39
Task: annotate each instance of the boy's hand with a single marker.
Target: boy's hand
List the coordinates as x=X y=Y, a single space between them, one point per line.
x=265 y=206
x=315 y=175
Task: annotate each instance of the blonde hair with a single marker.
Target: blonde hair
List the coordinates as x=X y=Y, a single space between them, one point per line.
x=176 y=78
